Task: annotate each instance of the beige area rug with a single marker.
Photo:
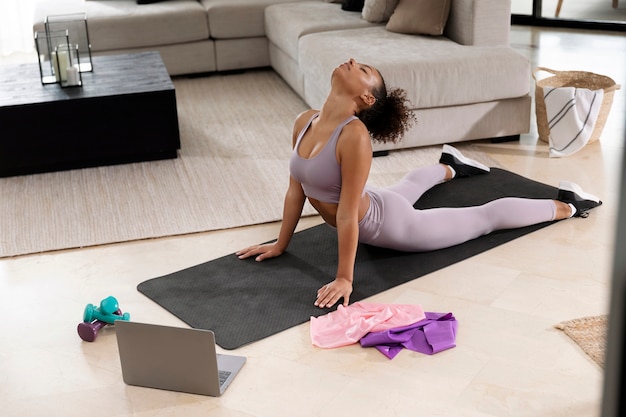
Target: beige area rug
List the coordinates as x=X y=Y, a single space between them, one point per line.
x=232 y=171
x=590 y=334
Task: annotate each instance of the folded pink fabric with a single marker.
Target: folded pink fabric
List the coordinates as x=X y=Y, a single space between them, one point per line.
x=347 y=325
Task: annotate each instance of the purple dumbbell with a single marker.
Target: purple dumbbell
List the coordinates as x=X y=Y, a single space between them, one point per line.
x=88 y=331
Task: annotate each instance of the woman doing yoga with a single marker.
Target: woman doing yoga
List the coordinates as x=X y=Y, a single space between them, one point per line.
x=330 y=164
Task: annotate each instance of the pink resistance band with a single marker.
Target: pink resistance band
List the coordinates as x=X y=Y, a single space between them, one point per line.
x=347 y=325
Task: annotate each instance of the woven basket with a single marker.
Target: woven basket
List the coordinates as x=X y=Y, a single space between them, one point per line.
x=578 y=79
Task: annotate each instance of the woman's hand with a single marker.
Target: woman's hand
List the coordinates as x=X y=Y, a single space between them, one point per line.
x=269 y=250
x=330 y=293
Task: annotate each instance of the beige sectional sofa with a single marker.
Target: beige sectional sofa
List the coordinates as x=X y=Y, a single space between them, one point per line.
x=192 y=36
x=465 y=84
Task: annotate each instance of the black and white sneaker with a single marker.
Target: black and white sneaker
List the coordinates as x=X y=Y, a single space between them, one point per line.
x=462 y=165
x=574 y=195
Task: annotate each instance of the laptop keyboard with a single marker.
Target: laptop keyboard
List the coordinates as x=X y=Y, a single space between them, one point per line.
x=223 y=376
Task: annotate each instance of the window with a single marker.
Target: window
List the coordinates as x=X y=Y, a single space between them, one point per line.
x=579 y=14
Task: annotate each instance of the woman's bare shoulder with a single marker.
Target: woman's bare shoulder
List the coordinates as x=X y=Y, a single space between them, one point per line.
x=354 y=142
x=355 y=132
x=305 y=116
x=301 y=121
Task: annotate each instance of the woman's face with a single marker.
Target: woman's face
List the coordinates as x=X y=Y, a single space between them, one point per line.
x=357 y=78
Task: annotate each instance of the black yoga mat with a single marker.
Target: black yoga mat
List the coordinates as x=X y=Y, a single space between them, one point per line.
x=243 y=301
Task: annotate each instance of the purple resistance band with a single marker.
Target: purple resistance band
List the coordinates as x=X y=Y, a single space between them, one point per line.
x=435 y=333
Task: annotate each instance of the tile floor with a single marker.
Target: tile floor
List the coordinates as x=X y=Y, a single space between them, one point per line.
x=509 y=361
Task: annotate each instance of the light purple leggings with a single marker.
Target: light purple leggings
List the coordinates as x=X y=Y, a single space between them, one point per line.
x=392 y=222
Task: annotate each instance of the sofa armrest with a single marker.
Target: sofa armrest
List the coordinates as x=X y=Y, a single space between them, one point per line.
x=479 y=22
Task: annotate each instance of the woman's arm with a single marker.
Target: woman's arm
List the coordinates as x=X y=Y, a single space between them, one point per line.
x=292 y=210
x=354 y=153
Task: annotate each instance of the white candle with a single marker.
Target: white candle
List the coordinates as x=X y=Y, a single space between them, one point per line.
x=64 y=63
x=72 y=75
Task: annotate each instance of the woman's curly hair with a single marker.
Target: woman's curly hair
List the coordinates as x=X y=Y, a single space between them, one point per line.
x=390 y=116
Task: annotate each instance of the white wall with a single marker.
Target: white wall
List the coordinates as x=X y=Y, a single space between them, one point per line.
x=16 y=20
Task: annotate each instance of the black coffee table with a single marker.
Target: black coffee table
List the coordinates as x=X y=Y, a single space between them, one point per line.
x=124 y=112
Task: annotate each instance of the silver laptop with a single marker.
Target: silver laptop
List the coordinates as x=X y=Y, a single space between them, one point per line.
x=174 y=358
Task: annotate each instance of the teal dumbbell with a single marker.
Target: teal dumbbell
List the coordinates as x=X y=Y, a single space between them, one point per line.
x=106 y=312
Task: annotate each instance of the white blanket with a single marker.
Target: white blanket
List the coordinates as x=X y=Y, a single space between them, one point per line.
x=572 y=115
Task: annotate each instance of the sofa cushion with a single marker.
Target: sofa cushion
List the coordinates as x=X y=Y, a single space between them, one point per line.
x=421 y=17
x=230 y=19
x=378 y=11
x=123 y=24
x=479 y=22
x=286 y=23
x=435 y=71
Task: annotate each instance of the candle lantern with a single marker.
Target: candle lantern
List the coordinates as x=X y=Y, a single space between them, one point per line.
x=59 y=60
x=47 y=44
x=76 y=25
x=71 y=77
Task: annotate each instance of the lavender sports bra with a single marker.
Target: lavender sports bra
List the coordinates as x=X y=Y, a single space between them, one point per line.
x=319 y=175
